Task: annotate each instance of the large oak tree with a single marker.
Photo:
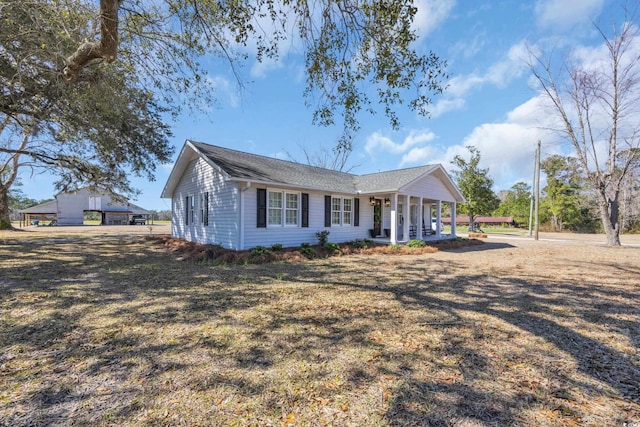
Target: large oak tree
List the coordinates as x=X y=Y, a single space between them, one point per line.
x=73 y=71
x=95 y=132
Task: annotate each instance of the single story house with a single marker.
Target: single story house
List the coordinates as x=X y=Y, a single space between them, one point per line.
x=241 y=200
x=69 y=208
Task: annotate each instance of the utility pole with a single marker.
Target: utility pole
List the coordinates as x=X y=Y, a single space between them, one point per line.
x=537 y=201
x=532 y=196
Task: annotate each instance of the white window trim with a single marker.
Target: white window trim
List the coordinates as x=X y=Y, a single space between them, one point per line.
x=342 y=211
x=283 y=208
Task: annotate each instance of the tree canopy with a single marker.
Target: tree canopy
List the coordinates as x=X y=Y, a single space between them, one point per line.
x=86 y=85
x=562 y=193
x=93 y=133
x=476 y=186
x=353 y=50
x=516 y=203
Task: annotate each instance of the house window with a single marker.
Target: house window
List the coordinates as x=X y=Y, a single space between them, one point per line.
x=336 y=210
x=275 y=208
x=190 y=210
x=291 y=209
x=347 y=211
x=341 y=211
x=284 y=208
x=204 y=208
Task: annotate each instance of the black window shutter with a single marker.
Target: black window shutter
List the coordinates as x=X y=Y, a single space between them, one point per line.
x=187 y=205
x=305 y=210
x=327 y=211
x=262 y=208
x=356 y=212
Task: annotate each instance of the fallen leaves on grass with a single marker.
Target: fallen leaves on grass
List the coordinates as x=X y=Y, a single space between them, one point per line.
x=117 y=332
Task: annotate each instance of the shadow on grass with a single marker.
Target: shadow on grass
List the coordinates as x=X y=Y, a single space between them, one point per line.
x=114 y=330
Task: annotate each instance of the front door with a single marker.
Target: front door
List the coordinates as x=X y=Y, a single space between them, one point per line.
x=377 y=217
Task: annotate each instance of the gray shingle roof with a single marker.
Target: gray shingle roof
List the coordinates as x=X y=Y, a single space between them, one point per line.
x=242 y=165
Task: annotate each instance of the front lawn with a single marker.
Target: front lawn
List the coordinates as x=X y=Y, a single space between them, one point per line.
x=116 y=330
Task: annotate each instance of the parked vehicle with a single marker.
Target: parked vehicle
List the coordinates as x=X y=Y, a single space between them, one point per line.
x=434 y=225
x=137 y=220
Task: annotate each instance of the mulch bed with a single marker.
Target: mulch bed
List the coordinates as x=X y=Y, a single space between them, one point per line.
x=192 y=251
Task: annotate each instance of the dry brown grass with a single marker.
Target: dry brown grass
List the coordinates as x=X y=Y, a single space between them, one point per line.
x=113 y=330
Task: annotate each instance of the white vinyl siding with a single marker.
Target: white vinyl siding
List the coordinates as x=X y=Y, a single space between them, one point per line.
x=290 y=236
x=223 y=207
x=431 y=188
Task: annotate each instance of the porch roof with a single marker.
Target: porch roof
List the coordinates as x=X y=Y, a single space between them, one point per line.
x=50 y=207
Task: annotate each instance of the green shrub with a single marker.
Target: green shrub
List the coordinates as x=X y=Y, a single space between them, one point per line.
x=416 y=244
x=331 y=246
x=395 y=247
x=276 y=247
x=362 y=244
x=260 y=250
x=307 y=250
x=323 y=237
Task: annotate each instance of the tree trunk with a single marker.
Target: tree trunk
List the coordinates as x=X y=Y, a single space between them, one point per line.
x=609 y=213
x=5 y=220
x=472 y=225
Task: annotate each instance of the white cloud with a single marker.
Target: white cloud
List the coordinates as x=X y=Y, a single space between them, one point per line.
x=225 y=90
x=507 y=148
x=468 y=49
x=445 y=105
x=260 y=69
x=419 y=156
x=561 y=15
x=500 y=75
x=379 y=143
x=431 y=14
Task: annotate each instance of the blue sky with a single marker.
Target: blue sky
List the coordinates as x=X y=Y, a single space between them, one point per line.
x=490 y=103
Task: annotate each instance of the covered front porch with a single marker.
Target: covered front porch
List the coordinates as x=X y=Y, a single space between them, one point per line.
x=398 y=218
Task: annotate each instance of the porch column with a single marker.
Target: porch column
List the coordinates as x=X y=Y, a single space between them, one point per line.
x=420 y=218
x=406 y=217
x=453 y=219
x=394 y=219
x=438 y=217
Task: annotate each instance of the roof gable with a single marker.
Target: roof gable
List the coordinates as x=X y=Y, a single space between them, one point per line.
x=391 y=180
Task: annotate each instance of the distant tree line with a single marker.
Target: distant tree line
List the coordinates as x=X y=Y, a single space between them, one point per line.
x=567 y=202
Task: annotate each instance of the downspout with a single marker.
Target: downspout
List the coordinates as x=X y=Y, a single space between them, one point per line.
x=241 y=221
